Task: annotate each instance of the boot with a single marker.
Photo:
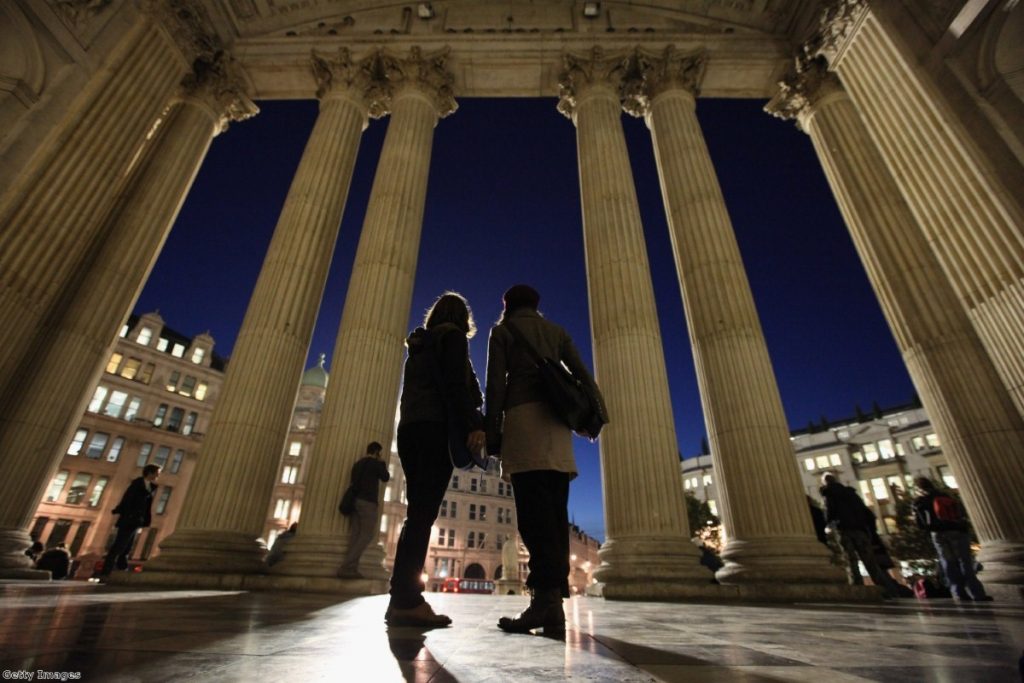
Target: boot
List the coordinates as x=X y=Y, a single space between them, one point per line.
x=545 y=611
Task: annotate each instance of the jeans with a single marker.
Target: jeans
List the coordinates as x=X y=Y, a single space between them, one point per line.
x=542 y=500
x=423 y=450
x=857 y=544
x=363 y=527
x=954 y=551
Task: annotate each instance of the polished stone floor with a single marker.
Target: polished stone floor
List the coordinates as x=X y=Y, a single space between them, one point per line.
x=105 y=633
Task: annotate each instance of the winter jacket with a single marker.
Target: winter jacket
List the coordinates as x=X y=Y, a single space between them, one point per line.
x=366 y=474
x=844 y=509
x=440 y=351
x=924 y=515
x=135 y=505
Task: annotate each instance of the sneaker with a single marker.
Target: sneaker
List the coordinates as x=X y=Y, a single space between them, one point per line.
x=422 y=615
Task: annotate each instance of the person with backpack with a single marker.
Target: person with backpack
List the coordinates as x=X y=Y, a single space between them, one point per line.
x=851 y=519
x=942 y=515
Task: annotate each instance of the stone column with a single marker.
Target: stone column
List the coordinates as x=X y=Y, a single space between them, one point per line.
x=225 y=509
x=770 y=538
x=648 y=553
x=76 y=339
x=971 y=219
x=52 y=215
x=367 y=368
x=982 y=433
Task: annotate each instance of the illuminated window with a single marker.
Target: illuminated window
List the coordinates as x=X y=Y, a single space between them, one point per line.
x=97 y=399
x=809 y=464
x=178 y=350
x=686 y=484
x=79 y=485
x=97 y=491
x=174 y=421
x=201 y=392
x=161 y=413
x=179 y=457
x=57 y=485
x=131 y=368
x=917 y=442
x=947 y=477
x=133 y=409
x=124 y=331
x=162 y=453
x=172 y=381
x=198 y=354
x=713 y=506
x=932 y=440
x=870 y=452
x=76 y=443
x=289 y=474
x=161 y=502
x=900 y=450
x=162 y=343
x=188 y=386
x=865 y=491
x=295 y=448
x=387 y=494
x=894 y=482
x=116 y=404
x=707 y=480
x=114 y=363
x=834 y=459
x=144 y=452
x=97 y=445
x=886 y=450
x=115 y=449
x=879 y=489
x=281 y=508
x=384 y=523
x=190 y=423
x=145 y=335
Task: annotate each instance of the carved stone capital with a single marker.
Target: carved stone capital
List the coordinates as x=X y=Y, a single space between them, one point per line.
x=838 y=25
x=801 y=90
x=427 y=73
x=650 y=74
x=219 y=82
x=77 y=13
x=186 y=23
x=366 y=80
x=582 y=72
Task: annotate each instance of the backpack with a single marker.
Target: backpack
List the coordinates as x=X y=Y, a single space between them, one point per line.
x=946 y=509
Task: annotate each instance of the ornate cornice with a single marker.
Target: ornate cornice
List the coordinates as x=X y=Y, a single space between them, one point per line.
x=366 y=79
x=186 y=23
x=838 y=25
x=802 y=89
x=219 y=82
x=650 y=74
x=581 y=72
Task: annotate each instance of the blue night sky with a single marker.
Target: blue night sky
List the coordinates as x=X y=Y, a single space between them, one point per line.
x=503 y=207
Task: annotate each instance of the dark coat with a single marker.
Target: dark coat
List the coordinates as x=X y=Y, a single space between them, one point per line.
x=924 y=515
x=136 y=503
x=441 y=350
x=366 y=474
x=57 y=561
x=844 y=509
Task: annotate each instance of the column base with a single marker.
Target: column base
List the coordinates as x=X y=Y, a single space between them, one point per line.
x=778 y=559
x=204 y=551
x=321 y=555
x=508 y=587
x=745 y=593
x=1004 y=563
x=650 y=567
x=248 y=582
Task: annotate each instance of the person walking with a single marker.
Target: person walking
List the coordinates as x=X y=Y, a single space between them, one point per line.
x=536 y=451
x=439 y=389
x=851 y=519
x=943 y=517
x=366 y=476
x=134 y=512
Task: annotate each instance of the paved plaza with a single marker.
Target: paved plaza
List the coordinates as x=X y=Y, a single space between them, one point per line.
x=112 y=634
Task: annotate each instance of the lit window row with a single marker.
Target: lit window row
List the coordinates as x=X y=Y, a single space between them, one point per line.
x=97 y=445
x=695 y=482
x=76 y=493
x=822 y=462
x=132 y=368
x=158 y=455
x=189 y=387
x=145 y=336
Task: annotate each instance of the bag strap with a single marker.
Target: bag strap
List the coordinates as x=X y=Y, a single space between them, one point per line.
x=521 y=340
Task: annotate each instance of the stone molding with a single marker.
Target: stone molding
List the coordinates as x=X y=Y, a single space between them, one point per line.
x=77 y=13
x=651 y=74
x=426 y=73
x=581 y=72
x=838 y=25
x=219 y=82
x=186 y=24
x=802 y=89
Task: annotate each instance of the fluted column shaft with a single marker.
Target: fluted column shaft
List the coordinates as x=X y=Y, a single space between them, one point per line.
x=51 y=217
x=648 y=552
x=769 y=536
x=225 y=509
x=366 y=372
x=77 y=339
x=971 y=219
x=981 y=431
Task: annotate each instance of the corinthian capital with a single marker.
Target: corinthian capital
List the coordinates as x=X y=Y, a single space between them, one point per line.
x=186 y=23
x=427 y=73
x=219 y=82
x=802 y=88
x=838 y=25
x=581 y=72
x=366 y=80
x=650 y=74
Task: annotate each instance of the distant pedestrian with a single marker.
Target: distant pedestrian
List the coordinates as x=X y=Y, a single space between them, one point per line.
x=366 y=476
x=57 y=561
x=134 y=513
x=851 y=519
x=277 y=550
x=942 y=515
x=35 y=551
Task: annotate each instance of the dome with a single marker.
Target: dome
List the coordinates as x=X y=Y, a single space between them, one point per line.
x=317 y=375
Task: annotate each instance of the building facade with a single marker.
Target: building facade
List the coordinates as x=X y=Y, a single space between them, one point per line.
x=151 y=406
x=874 y=455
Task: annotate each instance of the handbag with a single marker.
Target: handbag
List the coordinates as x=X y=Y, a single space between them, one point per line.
x=461 y=456
x=348 y=501
x=574 y=402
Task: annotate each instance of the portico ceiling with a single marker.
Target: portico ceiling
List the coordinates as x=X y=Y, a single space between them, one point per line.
x=513 y=48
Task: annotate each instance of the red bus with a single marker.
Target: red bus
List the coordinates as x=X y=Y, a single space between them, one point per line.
x=467 y=586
